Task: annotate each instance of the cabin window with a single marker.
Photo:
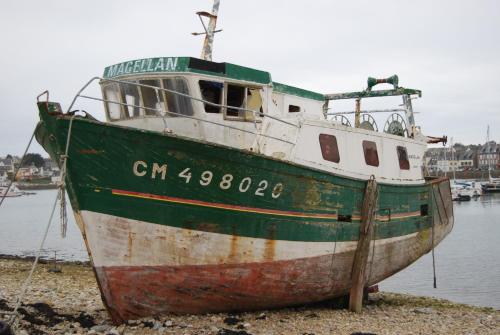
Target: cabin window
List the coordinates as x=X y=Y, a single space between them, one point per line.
x=153 y=101
x=211 y=91
x=235 y=97
x=404 y=164
x=293 y=109
x=242 y=97
x=130 y=96
x=112 y=94
x=329 y=148
x=254 y=100
x=371 y=154
x=176 y=103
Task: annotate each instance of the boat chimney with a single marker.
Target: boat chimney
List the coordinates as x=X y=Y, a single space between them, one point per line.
x=206 y=52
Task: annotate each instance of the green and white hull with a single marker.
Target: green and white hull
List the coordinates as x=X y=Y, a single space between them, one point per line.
x=174 y=224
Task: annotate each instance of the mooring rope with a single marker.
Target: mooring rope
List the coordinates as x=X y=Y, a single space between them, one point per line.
x=63 y=213
x=17 y=169
x=374 y=239
x=333 y=258
x=24 y=287
x=433 y=257
x=62 y=186
x=432 y=237
x=64 y=220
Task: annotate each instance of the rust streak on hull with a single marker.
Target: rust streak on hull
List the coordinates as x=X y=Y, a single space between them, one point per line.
x=137 y=291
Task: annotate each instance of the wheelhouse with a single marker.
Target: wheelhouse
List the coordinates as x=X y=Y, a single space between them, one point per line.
x=172 y=87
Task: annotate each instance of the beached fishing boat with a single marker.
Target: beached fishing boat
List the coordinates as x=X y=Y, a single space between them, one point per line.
x=212 y=188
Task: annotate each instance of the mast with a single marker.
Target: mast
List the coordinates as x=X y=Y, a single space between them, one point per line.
x=446 y=161
x=206 y=52
x=452 y=159
x=487 y=147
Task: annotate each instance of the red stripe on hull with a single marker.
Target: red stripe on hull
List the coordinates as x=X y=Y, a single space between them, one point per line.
x=134 y=292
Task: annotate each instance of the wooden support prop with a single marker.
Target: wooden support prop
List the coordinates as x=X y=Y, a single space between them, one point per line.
x=368 y=212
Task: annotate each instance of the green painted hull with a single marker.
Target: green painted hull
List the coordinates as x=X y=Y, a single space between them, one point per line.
x=310 y=206
x=177 y=225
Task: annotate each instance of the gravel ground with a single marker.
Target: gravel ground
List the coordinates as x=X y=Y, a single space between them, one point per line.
x=69 y=303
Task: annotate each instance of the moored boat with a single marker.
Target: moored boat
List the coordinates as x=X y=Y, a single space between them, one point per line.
x=212 y=188
x=492 y=185
x=462 y=191
x=13 y=191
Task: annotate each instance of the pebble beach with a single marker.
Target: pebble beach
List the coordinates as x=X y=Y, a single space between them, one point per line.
x=68 y=302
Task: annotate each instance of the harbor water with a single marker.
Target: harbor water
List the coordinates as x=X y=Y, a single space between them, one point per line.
x=467 y=261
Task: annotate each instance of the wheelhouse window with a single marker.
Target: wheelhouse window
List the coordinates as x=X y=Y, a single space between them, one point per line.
x=129 y=100
x=113 y=104
x=153 y=100
x=404 y=164
x=131 y=97
x=293 y=109
x=177 y=103
x=371 y=154
x=235 y=97
x=254 y=100
x=242 y=97
x=329 y=148
x=211 y=91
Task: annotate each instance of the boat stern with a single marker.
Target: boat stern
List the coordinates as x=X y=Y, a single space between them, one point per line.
x=442 y=209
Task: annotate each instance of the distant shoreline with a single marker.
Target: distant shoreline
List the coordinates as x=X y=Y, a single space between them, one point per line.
x=42 y=260
x=36 y=186
x=476 y=175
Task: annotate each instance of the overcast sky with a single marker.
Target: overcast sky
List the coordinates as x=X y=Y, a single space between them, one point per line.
x=448 y=49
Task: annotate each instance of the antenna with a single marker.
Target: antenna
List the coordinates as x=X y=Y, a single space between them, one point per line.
x=206 y=52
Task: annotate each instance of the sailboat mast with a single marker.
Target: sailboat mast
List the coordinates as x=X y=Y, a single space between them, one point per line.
x=447 y=166
x=452 y=159
x=487 y=147
x=206 y=52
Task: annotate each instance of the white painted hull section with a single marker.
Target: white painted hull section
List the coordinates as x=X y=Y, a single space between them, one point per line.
x=116 y=241
x=301 y=145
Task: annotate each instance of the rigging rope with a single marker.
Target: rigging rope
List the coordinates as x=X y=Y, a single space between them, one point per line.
x=64 y=220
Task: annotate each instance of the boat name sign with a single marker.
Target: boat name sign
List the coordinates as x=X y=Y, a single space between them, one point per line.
x=160 y=64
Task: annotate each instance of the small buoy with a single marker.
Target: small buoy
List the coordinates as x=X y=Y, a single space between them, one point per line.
x=5 y=329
